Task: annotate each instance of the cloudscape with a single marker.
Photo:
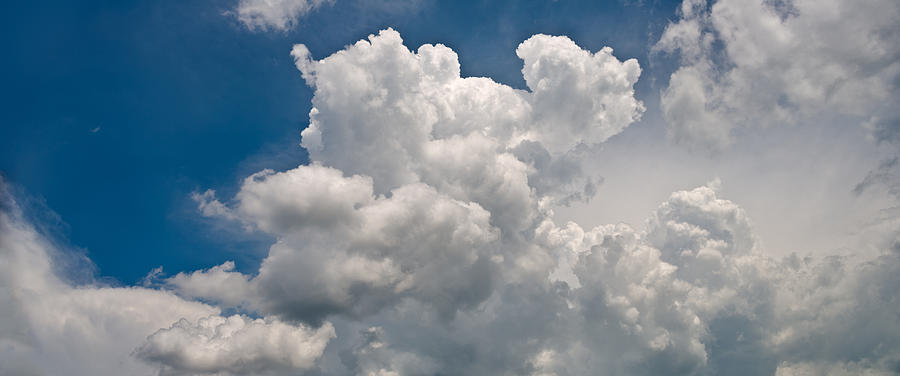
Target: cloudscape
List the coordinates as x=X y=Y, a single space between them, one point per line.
x=415 y=187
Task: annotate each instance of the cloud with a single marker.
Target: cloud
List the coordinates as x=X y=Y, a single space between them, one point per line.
x=279 y=15
x=417 y=107
x=284 y=15
x=435 y=182
x=761 y=63
x=692 y=295
x=424 y=228
x=48 y=326
x=373 y=355
x=340 y=249
x=421 y=239
x=885 y=174
x=235 y=345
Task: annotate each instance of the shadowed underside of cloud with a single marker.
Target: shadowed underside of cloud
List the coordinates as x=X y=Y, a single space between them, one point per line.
x=421 y=241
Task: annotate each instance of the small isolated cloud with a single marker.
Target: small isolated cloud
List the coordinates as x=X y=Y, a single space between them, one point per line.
x=280 y=15
x=95 y=130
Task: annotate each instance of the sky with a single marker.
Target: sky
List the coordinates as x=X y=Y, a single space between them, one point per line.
x=419 y=187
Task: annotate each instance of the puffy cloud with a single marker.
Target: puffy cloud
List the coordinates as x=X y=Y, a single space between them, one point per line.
x=577 y=96
x=235 y=345
x=308 y=196
x=691 y=295
x=387 y=112
x=660 y=291
x=342 y=250
x=274 y=14
x=228 y=287
x=437 y=178
x=425 y=224
x=762 y=63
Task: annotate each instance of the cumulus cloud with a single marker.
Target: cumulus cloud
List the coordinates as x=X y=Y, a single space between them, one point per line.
x=691 y=294
x=274 y=14
x=235 y=345
x=425 y=225
x=436 y=182
x=394 y=114
x=764 y=63
x=343 y=250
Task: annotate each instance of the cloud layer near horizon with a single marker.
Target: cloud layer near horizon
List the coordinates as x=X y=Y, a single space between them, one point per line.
x=421 y=240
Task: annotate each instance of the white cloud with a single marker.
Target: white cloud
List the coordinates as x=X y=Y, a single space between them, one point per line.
x=436 y=183
x=48 y=326
x=692 y=295
x=577 y=97
x=274 y=14
x=343 y=250
x=426 y=219
x=235 y=345
x=383 y=111
x=764 y=63
x=229 y=288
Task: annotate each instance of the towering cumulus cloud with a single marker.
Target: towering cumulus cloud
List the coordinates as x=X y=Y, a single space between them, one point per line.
x=424 y=230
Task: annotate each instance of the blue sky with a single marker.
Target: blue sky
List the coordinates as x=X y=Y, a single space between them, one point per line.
x=422 y=187
x=185 y=98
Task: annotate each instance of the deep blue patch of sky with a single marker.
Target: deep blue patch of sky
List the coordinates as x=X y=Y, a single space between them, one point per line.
x=113 y=112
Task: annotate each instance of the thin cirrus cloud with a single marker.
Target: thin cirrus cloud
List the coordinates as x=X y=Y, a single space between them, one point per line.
x=284 y=15
x=421 y=238
x=402 y=225
x=279 y=15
